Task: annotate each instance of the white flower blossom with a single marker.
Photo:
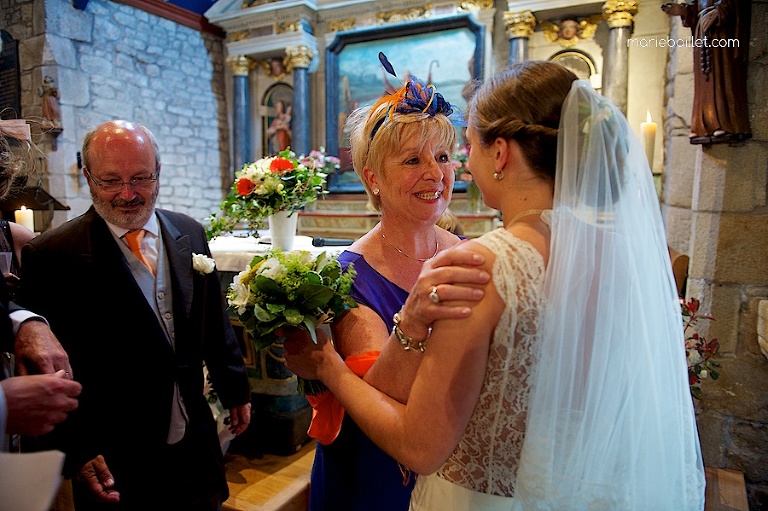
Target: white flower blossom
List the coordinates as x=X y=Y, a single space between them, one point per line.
x=240 y=293
x=203 y=264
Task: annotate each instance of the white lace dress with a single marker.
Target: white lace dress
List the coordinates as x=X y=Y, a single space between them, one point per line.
x=480 y=474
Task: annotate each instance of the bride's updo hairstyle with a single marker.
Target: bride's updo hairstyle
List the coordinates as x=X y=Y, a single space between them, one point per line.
x=532 y=118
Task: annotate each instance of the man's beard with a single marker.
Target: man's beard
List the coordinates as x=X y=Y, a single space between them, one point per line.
x=108 y=210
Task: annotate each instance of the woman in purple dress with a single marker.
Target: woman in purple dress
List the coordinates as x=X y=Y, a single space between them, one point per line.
x=401 y=150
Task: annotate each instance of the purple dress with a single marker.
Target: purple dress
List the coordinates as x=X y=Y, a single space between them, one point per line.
x=352 y=473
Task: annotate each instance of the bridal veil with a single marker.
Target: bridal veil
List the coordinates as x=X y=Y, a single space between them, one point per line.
x=611 y=424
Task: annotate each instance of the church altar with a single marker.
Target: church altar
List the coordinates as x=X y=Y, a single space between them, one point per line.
x=233 y=253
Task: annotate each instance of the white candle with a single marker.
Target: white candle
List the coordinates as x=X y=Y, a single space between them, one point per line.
x=25 y=217
x=648 y=133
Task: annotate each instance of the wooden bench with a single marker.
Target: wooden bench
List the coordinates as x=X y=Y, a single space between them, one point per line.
x=726 y=490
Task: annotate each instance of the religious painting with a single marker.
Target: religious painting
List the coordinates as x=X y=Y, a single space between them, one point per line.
x=276 y=124
x=447 y=52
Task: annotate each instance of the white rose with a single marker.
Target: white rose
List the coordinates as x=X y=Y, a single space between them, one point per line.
x=272 y=269
x=203 y=264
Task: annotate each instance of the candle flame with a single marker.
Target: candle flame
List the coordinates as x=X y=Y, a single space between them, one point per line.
x=648 y=117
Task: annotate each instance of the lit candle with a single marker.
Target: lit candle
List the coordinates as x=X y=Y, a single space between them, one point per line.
x=648 y=133
x=26 y=218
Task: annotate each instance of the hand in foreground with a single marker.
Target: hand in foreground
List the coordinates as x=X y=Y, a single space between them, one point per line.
x=36 y=403
x=239 y=418
x=39 y=351
x=445 y=284
x=302 y=356
x=95 y=475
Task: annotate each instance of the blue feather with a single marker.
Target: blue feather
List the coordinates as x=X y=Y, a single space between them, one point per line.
x=387 y=66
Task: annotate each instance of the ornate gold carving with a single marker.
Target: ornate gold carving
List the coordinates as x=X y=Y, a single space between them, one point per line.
x=519 y=24
x=401 y=15
x=298 y=56
x=570 y=31
x=619 y=13
x=254 y=3
x=474 y=5
x=275 y=67
x=239 y=35
x=341 y=25
x=240 y=64
x=287 y=26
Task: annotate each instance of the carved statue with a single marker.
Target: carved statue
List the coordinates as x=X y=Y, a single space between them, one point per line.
x=274 y=67
x=570 y=31
x=280 y=128
x=721 y=48
x=50 y=110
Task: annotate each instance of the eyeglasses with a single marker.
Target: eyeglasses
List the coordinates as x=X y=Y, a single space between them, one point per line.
x=116 y=185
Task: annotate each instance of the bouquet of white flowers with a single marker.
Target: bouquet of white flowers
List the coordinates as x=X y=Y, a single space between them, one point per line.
x=290 y=289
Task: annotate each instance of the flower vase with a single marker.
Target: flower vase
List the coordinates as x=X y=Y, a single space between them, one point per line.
x=282 y=229
x=474 y=197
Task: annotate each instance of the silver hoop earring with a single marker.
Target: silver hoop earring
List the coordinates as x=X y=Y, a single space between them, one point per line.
x=498 y=176
x=375 y=191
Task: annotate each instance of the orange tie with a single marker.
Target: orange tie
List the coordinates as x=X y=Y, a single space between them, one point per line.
x=134 y=243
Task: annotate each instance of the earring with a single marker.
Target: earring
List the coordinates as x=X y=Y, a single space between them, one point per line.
x=375 y=191
x=499 y=175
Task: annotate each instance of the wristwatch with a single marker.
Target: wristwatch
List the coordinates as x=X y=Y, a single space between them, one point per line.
x=408 y=343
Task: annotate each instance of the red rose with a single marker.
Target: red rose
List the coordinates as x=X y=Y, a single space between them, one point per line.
x=280 y=165
x=245 y=186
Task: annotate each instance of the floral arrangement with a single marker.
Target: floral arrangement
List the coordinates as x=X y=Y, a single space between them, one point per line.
x=459 y=162
x=698 y=350
x=321 y=161
x=293 y=289
x=266 y=186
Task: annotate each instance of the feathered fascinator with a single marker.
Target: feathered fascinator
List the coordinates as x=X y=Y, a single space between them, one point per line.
x=414 y=96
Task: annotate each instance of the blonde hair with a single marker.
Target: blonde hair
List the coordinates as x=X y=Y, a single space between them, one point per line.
x=376 y=134
x=17 y=164
x=450 y=222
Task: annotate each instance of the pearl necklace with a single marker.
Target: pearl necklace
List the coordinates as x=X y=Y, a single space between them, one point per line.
x=437 y=248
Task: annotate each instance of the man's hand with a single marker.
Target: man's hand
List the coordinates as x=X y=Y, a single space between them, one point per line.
x=239 y=418
x=36 y=403
x=39 y=351
x=95 y=475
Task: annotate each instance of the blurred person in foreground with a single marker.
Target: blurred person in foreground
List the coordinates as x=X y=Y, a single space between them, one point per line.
x=401 y=150
x=566 y=387
x=29 y=404
x=138 y=319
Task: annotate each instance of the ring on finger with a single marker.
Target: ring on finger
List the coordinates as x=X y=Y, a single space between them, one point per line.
x=433 y=295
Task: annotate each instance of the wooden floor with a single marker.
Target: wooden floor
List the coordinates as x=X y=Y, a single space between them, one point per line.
x=269 y=482
x=281 y=483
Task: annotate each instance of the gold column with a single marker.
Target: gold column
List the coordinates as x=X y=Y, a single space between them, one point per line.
x=240 y=65
x=619 y=14
x=241 y=114
x=298 y=59
x=519 y=28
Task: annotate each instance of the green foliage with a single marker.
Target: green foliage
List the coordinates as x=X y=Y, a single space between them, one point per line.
x=291 y=289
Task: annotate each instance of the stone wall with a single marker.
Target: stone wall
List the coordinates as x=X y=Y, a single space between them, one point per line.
x=716 y=210
x=113 y=61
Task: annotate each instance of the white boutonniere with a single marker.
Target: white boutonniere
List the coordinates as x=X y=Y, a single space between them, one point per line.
x=203 y=264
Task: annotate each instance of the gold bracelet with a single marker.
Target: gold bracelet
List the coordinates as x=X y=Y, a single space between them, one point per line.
x=407 y=342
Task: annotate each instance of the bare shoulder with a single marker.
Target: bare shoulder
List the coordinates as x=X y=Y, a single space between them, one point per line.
x=21 y=235
x=473 y=246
